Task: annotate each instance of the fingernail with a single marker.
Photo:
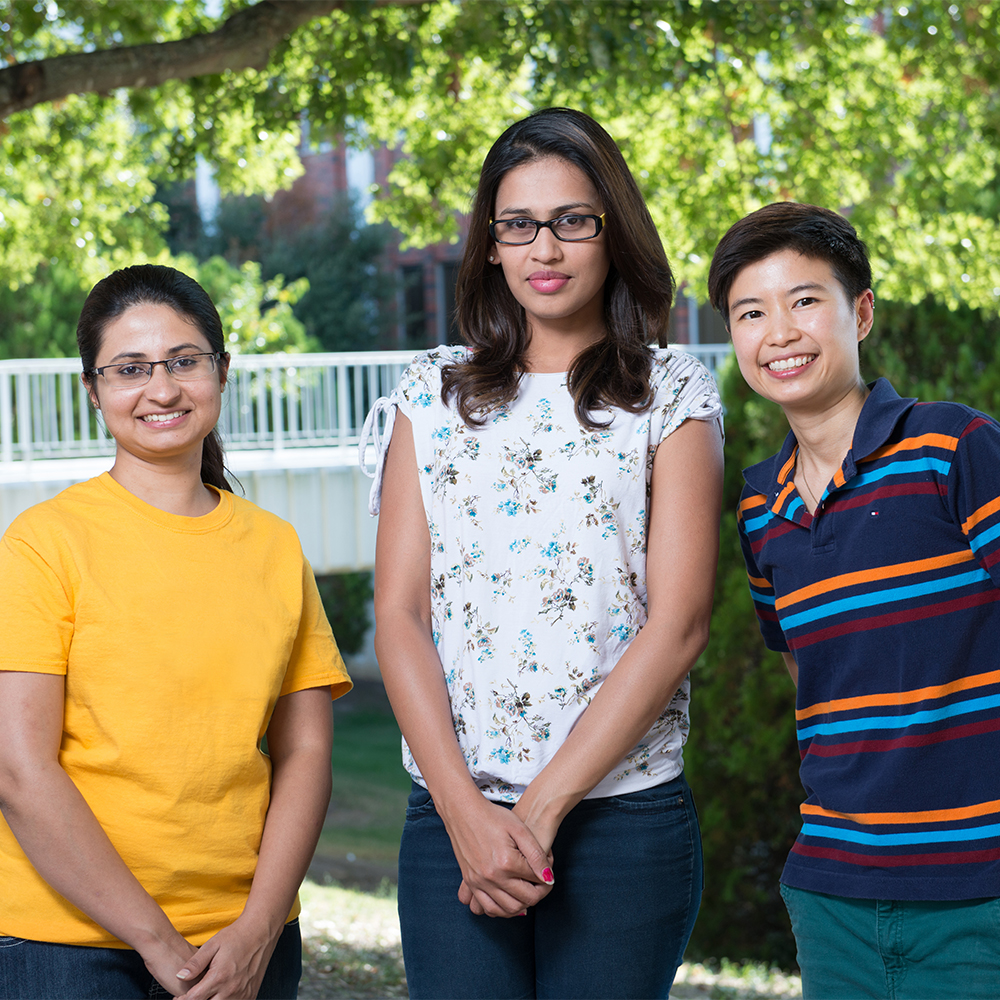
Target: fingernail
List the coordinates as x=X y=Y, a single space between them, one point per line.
x=523 y=913
x=183 y=974
x=548 y=876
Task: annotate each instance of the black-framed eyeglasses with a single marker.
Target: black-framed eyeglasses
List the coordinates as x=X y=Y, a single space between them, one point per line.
x=568 y=228
x=184 y=368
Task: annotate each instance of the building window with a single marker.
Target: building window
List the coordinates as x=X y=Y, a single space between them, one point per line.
x=447 y=321
x=413 y=308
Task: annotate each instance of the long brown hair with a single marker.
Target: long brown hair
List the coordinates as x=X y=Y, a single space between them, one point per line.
x=638 y=291
x=155 y=284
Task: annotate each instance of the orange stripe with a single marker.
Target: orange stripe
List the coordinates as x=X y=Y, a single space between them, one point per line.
x=755 y=501
x=788 y=466
x=838 y=478
x=900 y=697
x=877 y=573
x=927 y=816
x=759 y=581
x=980 y=515
x=782 y=497
x=911 y=444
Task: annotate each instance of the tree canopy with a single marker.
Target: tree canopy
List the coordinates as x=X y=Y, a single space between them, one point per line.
x=890 y=112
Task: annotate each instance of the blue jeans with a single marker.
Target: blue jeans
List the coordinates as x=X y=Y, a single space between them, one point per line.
x=891 y=949
x=628 y=885
x=38 y=970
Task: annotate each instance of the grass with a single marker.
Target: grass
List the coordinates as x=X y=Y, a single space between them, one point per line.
x=370 y=786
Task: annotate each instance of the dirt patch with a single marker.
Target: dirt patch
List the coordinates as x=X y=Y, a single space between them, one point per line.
x=367 y=876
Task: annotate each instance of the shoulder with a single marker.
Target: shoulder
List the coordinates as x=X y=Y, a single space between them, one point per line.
x=671 y=368
x=682 y=386
x=945 y=417
x=260 y=520
x=420 y=383
x=76 y=505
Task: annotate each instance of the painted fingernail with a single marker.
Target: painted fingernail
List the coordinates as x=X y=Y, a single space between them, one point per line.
x=523 y=913
x=547 y=876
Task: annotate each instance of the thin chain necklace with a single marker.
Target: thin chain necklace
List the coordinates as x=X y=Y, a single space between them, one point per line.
x=801 y=470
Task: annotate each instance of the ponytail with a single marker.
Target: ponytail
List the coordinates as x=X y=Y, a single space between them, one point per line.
x=213 y=469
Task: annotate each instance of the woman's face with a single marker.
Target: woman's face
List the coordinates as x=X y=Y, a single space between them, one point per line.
x=559 y=284
x=165 y=418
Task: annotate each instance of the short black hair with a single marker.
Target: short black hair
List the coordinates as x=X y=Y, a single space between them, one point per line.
x=787 y=225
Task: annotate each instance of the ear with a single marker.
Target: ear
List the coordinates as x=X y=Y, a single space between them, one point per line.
x=224 y=370
x=493 y=255
x=91 y=391
x=864 y=311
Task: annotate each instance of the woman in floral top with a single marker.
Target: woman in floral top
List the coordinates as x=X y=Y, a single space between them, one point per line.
x=546 y=556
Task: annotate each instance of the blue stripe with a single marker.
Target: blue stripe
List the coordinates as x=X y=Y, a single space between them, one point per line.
x=884 y=597
x=901 y=721
x=894 y=839
x=760 y=598
x=792 y=508
x=984 y=537
x=757 y=522
x=926 y=464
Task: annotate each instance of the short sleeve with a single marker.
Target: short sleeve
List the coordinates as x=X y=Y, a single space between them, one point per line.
x=761 y=588
x=315 y=660
x=974 y=491
x=36 y=612
x=684 y=390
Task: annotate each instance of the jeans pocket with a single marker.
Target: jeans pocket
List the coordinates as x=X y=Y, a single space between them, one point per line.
x=419 y=804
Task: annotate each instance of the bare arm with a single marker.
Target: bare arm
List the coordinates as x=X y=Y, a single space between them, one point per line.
x=499 y=857
x=793 y=667
x=60 y=834
x=299 y=741
x=681 y=556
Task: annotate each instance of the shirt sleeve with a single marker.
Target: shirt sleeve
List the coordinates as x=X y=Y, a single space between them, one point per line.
x=315 y=659
x=974 y=491
x=687 y=393
x=36 y=613
x=761 y=588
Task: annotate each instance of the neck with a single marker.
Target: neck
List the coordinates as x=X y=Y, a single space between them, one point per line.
x=553 y=350
x=174 y=487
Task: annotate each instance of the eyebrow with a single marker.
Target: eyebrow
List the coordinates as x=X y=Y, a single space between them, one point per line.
x=804 y=287
x=140 y=355
x=555 y=213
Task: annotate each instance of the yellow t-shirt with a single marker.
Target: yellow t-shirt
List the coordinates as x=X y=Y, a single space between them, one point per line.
x=176 y=636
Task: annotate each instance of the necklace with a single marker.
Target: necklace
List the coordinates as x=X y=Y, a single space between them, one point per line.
x=814 y=496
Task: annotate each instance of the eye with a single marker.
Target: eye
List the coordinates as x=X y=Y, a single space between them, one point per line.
x=519 y=225
x=805 y=300
x=570 y=222
x=129 y=371
x=185 y=362
x=750 y=314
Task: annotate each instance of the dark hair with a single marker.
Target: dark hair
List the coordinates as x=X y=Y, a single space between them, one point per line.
x=786 y=225
x=154 y=284
x=638 y=290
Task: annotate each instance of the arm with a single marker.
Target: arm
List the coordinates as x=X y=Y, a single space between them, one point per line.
x=60 y=834
x=793 y=667
x=299 y=741
x=499 y=858
x=682 y=550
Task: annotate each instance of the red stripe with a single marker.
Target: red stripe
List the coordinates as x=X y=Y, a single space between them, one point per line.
x=978 y=422
x=986 y=596
x=782 y=529
x=896 y=490
x=990 y=560
x=918 y=740
x=897 y=860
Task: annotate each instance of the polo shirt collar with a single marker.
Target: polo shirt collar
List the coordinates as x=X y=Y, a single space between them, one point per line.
x=882 y=410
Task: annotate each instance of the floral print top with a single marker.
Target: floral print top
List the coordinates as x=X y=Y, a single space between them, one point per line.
x=538 y=569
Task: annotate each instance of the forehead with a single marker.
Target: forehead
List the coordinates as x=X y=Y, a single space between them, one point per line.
x=781 y=273
x=150 y=331
x=545 y=185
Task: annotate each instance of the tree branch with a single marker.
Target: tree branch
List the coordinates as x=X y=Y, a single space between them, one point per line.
x=244 y=41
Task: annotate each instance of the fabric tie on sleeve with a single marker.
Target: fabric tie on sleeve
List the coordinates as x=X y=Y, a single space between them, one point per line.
x=386 y=407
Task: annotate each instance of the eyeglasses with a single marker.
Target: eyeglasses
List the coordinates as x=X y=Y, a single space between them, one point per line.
x=568 y=228
x=184 y=368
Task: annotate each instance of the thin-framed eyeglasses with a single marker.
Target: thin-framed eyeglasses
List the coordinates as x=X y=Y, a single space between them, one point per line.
x=567 y=228
x=184 y=368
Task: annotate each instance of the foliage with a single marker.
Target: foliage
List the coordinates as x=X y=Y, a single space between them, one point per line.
x=347 y=599
x=742 y=759
x=38 y=320
x=892 y=113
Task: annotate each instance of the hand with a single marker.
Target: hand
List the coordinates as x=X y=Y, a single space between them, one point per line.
x=230 y=964
x=504 y=870
x=165 y=959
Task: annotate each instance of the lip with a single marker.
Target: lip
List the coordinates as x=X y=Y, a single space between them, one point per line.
x=547 y=282
x=177 y=418
x=792 y=371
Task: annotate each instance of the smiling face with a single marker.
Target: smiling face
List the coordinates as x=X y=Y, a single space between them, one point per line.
x=165 y=419
x=796 y=333
x=559 y=284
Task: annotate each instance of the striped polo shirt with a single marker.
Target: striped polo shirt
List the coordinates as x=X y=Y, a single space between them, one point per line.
x=889 y=600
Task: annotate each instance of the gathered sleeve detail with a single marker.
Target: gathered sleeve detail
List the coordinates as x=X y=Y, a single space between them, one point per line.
x=685 y=391
x=384 y=409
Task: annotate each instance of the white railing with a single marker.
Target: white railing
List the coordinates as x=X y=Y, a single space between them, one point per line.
x=272 y=401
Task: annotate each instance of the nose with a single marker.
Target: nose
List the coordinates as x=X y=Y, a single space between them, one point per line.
x=784 y=329
x=161 y=385
x=546 y=246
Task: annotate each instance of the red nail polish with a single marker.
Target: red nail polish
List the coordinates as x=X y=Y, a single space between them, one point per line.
x=548 y=877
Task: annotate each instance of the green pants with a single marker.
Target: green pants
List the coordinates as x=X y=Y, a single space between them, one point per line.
x=849 y=949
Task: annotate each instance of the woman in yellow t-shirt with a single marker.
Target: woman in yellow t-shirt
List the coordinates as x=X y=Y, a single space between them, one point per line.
x=155 y=628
